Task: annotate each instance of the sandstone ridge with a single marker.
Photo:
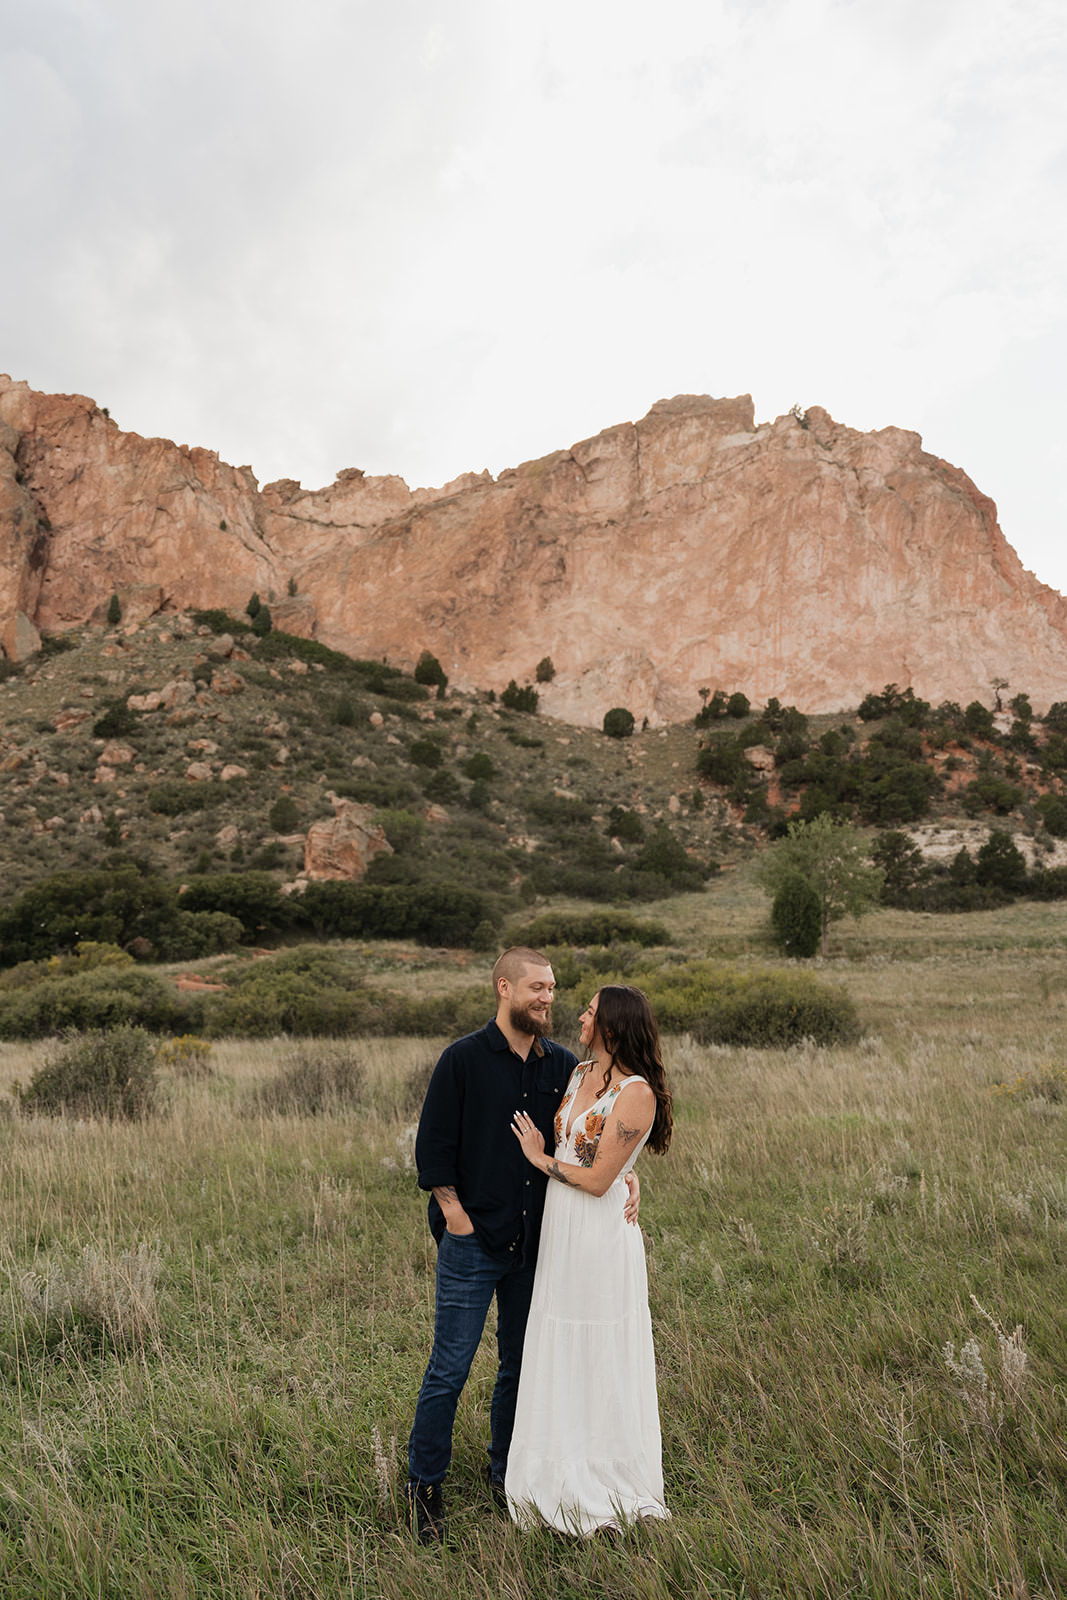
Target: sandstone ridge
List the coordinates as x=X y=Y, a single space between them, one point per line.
x=691 y=549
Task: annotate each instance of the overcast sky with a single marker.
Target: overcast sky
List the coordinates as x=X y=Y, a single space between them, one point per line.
x=430 y=236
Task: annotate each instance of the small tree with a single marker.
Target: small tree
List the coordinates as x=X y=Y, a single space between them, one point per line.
x=545 y=670
x=252 y=608
x=1001 y=864
x=618 y=723
x=114 y=611
x=796 y=917
x=261 y=622
x=429 y=672
x=834 y=858
x=517 y=699
x=738 y=705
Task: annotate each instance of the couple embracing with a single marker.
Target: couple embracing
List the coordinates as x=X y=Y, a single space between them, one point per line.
x=509 y=1115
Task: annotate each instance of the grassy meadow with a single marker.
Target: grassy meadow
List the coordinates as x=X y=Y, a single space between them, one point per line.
x=214 y=1322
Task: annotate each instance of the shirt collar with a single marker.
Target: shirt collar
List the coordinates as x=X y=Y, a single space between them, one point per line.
x=496 y=1040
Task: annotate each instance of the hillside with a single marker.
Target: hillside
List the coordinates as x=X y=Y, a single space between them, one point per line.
x=200 y=748
x=693 y=549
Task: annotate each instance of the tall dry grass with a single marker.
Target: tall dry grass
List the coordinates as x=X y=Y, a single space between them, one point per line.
x=856 y=1272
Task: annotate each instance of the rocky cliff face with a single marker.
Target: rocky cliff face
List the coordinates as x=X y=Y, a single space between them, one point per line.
x=691 y=549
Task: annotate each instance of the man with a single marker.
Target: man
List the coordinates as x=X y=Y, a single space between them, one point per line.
x=485 y=1214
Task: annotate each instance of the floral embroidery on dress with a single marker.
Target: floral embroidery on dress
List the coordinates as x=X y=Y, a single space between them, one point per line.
x=586 y=1140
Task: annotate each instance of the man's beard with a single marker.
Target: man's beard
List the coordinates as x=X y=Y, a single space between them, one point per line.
x=524 y=1021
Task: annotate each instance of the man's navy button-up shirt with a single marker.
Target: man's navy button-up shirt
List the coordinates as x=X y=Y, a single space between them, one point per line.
x=465 y=1140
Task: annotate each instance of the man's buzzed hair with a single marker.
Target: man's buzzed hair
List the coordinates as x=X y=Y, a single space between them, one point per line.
x=513 y=962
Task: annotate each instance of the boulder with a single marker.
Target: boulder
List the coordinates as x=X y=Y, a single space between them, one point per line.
x=344 y=845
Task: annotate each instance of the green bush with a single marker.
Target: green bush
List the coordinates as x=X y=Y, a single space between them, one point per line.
x=116 y=721
x=1052 y=809
x=114 y=612
x=516 y=699
x=301 y=992
x=431 y=913
x=589 y=928
x=107 y=997
x=315 y=1081
x=220 y=621
x=479 y=767
x=738 y=705
x=175 y=799
x=768 y=1009
x=253 y=898
x=425 y=752
x=284 y=815
x=765 y=1009
x=262 y=622
x=625 y=825
x=545 y=671
x=106 y=1072
x=796 y=917
x=618 y=723
x=429 y=671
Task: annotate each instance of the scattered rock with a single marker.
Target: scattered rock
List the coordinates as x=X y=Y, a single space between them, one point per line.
x=344 y=846
x=225 y=681
x=116 y=754
x=231 y=771
x=198 y=771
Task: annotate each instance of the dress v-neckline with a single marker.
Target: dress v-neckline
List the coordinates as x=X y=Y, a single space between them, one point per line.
x=577 y=1116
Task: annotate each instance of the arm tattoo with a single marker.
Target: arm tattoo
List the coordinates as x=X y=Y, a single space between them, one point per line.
x=626 y=1135
x=553 y=1171
x=445 y=1193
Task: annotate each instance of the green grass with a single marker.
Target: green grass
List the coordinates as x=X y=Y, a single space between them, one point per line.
x=815 y=1237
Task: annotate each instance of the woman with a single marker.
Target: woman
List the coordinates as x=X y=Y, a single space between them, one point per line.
x=586 y=1451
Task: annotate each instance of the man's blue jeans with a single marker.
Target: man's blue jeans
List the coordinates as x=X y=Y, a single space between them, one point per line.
x=467 y=1279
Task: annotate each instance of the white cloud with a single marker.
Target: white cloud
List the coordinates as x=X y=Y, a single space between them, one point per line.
x=426 y=238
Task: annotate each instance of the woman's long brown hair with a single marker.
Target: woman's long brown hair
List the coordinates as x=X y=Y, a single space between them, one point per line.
x=625 y=1023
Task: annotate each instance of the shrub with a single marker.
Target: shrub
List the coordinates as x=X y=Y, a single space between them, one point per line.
x=220 y=621
x=443 y=788
x=738 y=705
x=666 y=856
x=187 y=1056
x=618 y=723
x=315 y=1081
x=108 y=997
x=429 y=671
x=1052 y=809
x=252 y=897
x=425 y=752
x=545 y=671
x=517 y=699
x=106 y=1072
x=114 y=612
x=403 y=829
x=284 y=815
x=589 y=928
x=1001 y=864
x=262 y=622
x=116 y=721
x=626 y=825
x=175 y=799
x=720 y=1005
x=254 y=606
x=796 y=917
x=479 y=767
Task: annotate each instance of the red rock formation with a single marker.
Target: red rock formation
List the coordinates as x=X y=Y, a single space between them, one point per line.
x=346 y=844
x=691 y=549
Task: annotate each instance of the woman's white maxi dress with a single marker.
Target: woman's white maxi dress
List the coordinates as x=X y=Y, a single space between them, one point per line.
x=586 y=1452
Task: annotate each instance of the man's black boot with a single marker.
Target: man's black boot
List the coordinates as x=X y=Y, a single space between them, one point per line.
x=427 y=1505
x=496 y=1489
